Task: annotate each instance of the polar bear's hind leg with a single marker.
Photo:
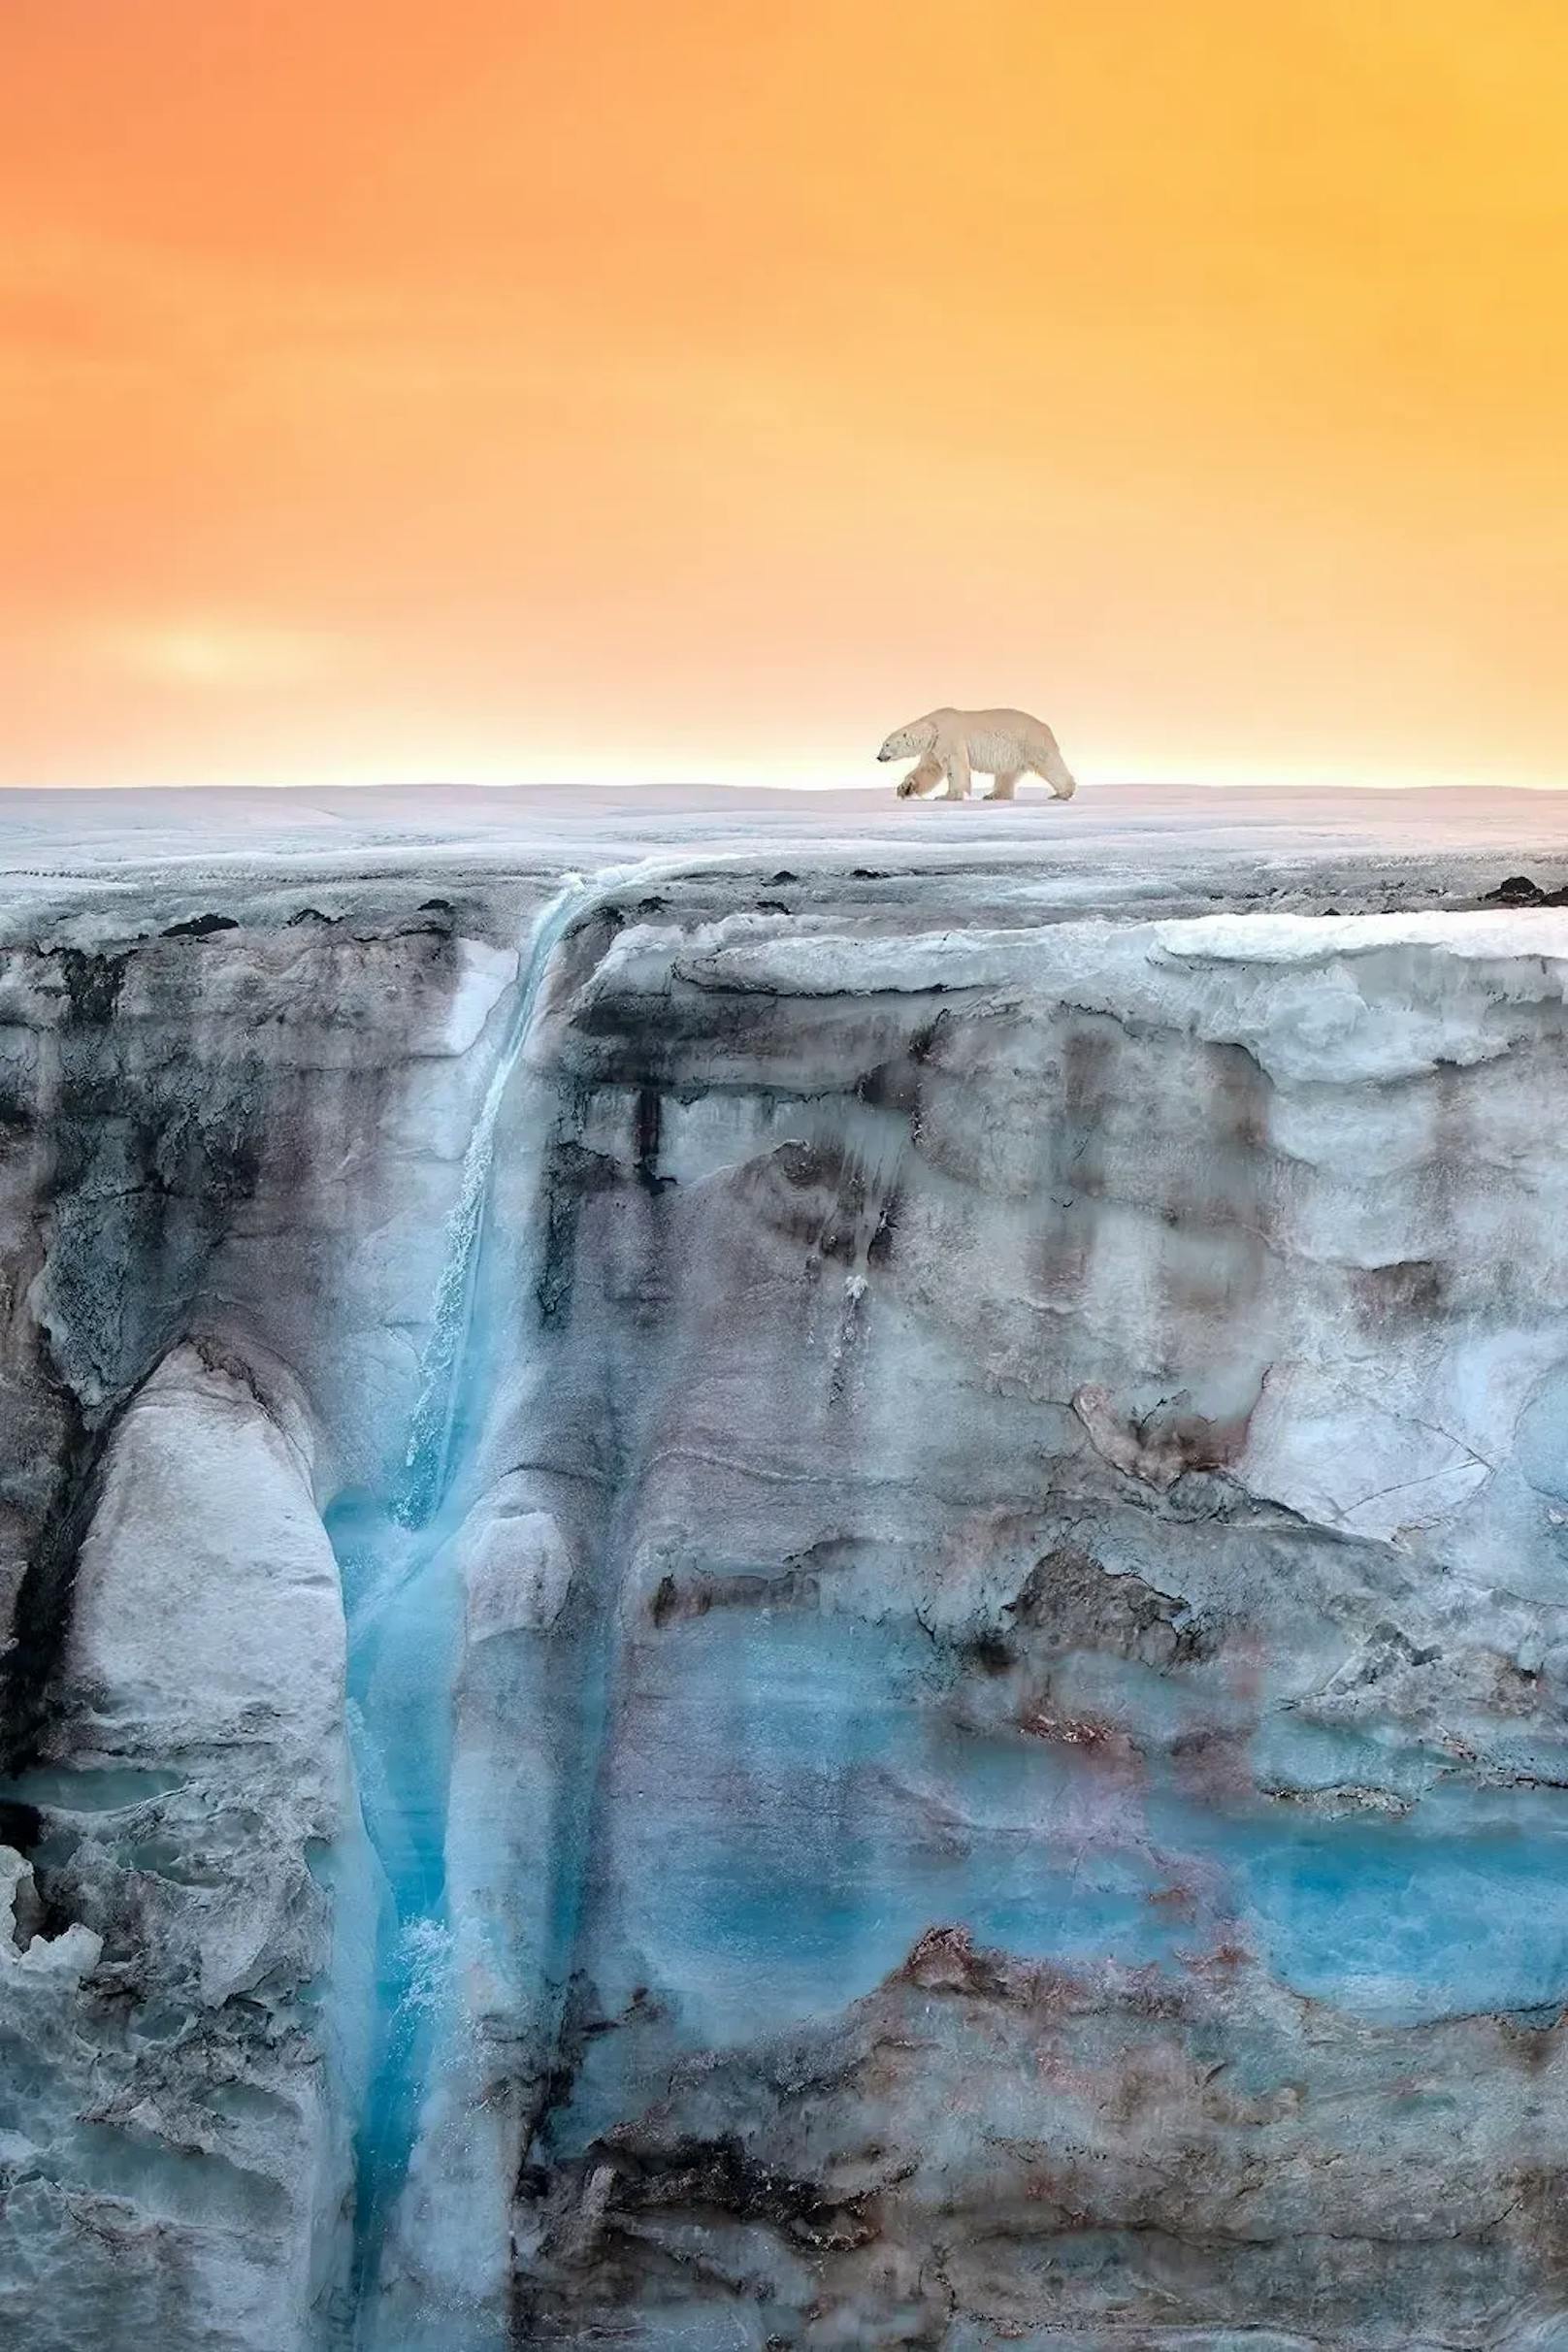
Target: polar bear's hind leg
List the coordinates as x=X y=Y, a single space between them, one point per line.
x=1050 y=763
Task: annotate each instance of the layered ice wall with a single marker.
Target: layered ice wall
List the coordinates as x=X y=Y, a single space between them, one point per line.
x=772 y=1607
x=228 y=1144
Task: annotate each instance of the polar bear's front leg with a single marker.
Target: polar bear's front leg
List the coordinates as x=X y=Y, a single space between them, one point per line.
x=956 y=766
x=1006 y=784
x=922 y=778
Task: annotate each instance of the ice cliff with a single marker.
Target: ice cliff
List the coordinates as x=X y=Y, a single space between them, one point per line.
x=769 y=1604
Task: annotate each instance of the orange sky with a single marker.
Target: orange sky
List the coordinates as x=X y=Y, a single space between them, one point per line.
x=522 y=388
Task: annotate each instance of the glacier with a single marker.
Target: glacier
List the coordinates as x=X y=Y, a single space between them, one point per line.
x=784 y=1578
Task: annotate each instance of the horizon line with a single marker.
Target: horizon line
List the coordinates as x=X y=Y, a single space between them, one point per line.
x=486 y=787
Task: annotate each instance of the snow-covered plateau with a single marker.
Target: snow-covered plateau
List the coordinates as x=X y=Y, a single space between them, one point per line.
x=783 y=1576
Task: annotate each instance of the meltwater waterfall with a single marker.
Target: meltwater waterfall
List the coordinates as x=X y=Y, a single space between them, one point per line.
x=402 y=1608
x=428 y=1463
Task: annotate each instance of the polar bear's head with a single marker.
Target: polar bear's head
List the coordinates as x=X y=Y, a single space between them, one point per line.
x=910 y=742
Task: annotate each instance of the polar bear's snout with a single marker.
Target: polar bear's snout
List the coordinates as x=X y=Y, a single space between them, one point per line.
x=908 y=742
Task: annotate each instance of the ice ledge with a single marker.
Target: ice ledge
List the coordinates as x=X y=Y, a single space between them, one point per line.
x=1487 y=934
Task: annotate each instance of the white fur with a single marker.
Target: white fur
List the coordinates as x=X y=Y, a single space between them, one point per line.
x=948 y=746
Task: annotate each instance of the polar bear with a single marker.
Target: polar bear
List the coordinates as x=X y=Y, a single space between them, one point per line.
x=947 y=744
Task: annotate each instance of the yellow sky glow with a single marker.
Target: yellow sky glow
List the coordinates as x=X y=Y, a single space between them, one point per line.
x=612 y=390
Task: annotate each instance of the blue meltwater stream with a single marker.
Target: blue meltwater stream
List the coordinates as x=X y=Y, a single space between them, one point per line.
x=404 y=1625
